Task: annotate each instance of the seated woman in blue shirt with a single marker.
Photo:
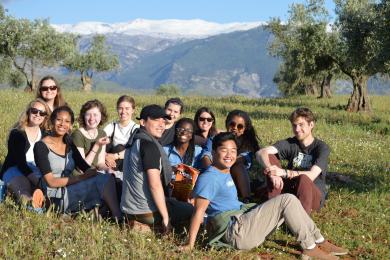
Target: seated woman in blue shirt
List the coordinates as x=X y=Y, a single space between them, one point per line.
x=183 y=149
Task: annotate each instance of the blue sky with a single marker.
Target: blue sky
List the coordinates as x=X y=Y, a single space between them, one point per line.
x=221 y=11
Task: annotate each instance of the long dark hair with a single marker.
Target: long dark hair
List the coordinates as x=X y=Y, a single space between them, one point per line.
x=189 y=155
x=213 y=129
x=249 y=138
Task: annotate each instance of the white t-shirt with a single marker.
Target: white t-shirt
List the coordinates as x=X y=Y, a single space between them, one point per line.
x=122 y=134
x=30 y=152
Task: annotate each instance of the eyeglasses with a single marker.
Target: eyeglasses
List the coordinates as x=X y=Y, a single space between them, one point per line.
x=52 y=88
x=184 y=131
x=208 y=119
x=233 y=124
x=36 y=111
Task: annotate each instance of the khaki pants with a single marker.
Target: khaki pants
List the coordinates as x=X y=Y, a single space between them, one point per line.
x=250 y=229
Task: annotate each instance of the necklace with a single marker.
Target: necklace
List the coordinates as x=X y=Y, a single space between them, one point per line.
x=95 y=133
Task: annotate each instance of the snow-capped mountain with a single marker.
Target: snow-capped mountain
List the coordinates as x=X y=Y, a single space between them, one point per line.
x=171 y=28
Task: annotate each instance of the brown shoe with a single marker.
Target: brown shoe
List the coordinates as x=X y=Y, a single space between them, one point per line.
x=332 y=249
x=38 y=199
x=317 y=253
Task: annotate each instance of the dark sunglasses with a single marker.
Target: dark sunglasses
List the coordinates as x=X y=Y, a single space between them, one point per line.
x=208 y=119
x=36 y=111
x=183 y=131
x=233 y=124
x=52 y=88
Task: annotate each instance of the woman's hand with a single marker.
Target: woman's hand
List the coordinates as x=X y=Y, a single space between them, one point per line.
x=110 y=160
x=103 y=141
x=91 y=172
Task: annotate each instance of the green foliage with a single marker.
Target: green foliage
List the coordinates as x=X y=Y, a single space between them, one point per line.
x=168 y=90
x=301 y=42
x=32 y=44
x=356 y=214
x=96 y=58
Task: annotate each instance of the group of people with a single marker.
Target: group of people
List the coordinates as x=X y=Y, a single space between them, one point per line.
x=128 y=169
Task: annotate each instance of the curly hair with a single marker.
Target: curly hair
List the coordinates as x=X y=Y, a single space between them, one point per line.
x=189 y=155
x=249 y=138
x=89 y=105
x=59 y=99
x=212 y=130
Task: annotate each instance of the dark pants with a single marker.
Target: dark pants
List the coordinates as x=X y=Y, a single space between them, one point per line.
x=179 y=213
x=301 y=186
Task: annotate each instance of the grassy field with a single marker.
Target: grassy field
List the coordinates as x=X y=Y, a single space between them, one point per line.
x=356 y=216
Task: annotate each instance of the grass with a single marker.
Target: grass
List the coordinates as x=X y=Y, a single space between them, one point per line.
x=356 y=216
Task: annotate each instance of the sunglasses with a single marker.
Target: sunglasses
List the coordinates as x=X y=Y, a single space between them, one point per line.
x=208 y=119
x=233 y=124
x=36 y=111
x=183 y=131
x=52 y=88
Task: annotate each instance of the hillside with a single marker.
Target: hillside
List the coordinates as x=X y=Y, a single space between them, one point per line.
x=219 y=65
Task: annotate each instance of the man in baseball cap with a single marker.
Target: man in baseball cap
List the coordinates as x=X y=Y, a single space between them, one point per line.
x=147 y=174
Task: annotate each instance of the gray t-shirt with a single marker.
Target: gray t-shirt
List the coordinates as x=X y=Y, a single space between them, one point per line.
x=136 y=195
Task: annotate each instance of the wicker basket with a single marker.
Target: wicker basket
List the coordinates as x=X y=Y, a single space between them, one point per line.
x=186 y=177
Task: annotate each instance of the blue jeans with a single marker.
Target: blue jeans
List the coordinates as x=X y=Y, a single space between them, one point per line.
x=14 y=171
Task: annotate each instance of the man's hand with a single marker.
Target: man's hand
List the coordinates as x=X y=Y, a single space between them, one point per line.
x=274 y=170
x=166 y=226
x=277 y=182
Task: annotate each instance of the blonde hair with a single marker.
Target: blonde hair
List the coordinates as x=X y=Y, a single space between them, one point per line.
x=59 y=99
x=24 y=117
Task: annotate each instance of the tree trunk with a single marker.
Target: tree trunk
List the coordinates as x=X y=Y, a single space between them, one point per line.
x=311 y=89
x=325 y=86
x=31 y=84
x=359 y=99
x=87 y=83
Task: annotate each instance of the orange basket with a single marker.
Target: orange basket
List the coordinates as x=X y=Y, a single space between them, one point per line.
x=186 y=177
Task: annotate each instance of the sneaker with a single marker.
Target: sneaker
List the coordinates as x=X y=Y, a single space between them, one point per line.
x=332 y=249
x=317 y=253
x=38 y=199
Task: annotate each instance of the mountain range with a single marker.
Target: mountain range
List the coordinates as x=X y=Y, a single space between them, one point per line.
x=198 y=56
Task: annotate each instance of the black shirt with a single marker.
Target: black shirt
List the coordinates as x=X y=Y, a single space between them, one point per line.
x=168 y=136
x=303 y=158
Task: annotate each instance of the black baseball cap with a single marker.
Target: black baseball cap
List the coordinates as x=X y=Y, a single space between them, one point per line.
x=153 y=112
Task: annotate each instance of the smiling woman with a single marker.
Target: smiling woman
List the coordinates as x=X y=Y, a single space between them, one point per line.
x=89 y=139
x=119 y=132
x=50 y=91
x=19 y=171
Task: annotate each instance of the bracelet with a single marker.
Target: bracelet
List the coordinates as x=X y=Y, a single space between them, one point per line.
x=286 y=174
x=93 y=151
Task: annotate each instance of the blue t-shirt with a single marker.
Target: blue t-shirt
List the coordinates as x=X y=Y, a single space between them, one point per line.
x=218 y=188
x=175 y=158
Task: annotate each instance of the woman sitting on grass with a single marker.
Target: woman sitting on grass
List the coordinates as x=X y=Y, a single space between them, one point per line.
x=119 y=132
x=56 y=157
x=239 y=123
x=89 y=139
x=19 y=171
x=50 y=91
x=245 y=226
x=183 y=149
x=205 y=125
